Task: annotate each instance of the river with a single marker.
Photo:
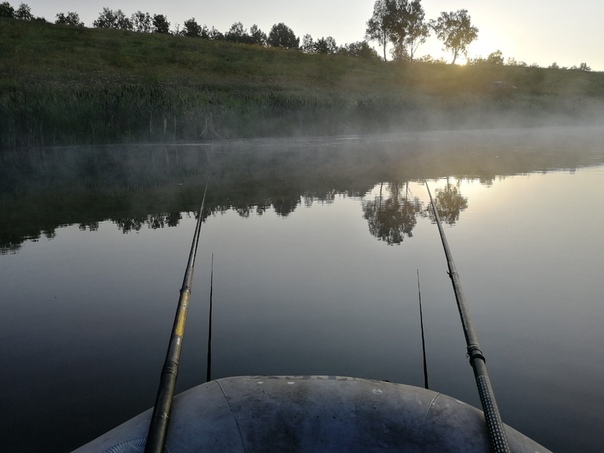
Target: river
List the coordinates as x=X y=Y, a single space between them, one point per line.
x=316 y=244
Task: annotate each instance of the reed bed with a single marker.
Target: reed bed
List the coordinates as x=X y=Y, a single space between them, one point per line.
x=69 y=86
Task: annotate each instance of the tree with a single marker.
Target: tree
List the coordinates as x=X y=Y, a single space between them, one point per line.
x=257 y=36
x=308 y=44
x=495 y=58
x=6 y=10
x=193 y=30
x=584 y=67
x=406 y=26
x=113 y=19
x=161 y=24
x=377 y=27
x=215 y=35
x=399 y=53
x=237 y=34
x=141 y=22
x=71 y=18
x=283 y=36
x=456 y=32
x=417 y=29
x=360 y=49
x=402 y=22
x=326 y=45
x=23 y=12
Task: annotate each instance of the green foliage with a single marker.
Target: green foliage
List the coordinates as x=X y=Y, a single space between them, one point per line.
x=192 y=29
x=377 y=26
x=456 y=31
x=161 y=24
x=71 y=18
x=258 y=36
x=360 y=49
x=494 y=58
x=113 y=19
x=325 y=46
x=76 y=85
x=24 y=12
x=406 y=25
x=6 y=10
x=141 y=22
x=401 y=22
x=283 y=36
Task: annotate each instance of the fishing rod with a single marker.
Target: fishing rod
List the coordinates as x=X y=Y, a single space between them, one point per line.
x=497 y=436
x=421 y=322
x=209 y=356
x=158 y=427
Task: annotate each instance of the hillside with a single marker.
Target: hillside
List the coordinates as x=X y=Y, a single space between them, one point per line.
x=67 y=85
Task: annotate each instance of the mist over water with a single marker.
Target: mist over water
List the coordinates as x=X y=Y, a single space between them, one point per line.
x=316 y=249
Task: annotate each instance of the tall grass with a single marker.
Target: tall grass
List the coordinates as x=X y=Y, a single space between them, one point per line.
x=64 y=85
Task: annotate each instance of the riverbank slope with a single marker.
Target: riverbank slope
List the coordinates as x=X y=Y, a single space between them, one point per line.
x=62 y=85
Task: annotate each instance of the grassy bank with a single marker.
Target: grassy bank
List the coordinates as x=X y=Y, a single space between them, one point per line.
x=66 y=85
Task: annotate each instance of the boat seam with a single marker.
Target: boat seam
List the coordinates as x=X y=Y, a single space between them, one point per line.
x=233 y=415
x=430 y=406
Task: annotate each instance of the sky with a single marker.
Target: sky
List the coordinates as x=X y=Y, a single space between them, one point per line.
x=533 y=31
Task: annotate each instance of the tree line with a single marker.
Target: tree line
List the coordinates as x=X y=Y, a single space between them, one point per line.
x=401 y=23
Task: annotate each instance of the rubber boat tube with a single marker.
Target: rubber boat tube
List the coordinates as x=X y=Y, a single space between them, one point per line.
x=313 y=414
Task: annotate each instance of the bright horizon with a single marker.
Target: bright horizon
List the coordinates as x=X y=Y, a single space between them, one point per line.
x=535 y=31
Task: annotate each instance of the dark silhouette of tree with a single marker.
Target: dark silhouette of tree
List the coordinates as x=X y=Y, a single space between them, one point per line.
x=113 y=19
x=378 y=27
x=283 y=36
x=360 y=49
x=141 y=22
x=215 y=35
x=326 y=45
x=495 y=58
x=308 y=44
x=130 y=224
x=192 y=29
x=413 y=29
x=285 y=204
x=449 y=204
x=400 y=22
x=456 y=31
x=258 y=36
x=71 y=18
x=90 y=226
x=392 y=218
x=23 y=12
x=238 y=34
x=173 y=218
x=156 y=221
x=6 y=10
x=161 y=24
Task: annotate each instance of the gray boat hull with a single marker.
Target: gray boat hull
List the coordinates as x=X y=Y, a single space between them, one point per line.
x=313 y=414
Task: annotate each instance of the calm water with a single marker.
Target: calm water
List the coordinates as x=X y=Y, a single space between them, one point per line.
x=316 y=248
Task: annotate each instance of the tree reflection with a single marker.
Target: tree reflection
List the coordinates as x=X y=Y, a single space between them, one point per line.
x=390 y=219
x=285 y=205
x=130 y=224
x=90 y=226
x=449 y=203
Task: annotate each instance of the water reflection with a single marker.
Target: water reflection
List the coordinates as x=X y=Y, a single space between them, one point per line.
x=151 y=186
x=392 y=217
x=449 y=203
